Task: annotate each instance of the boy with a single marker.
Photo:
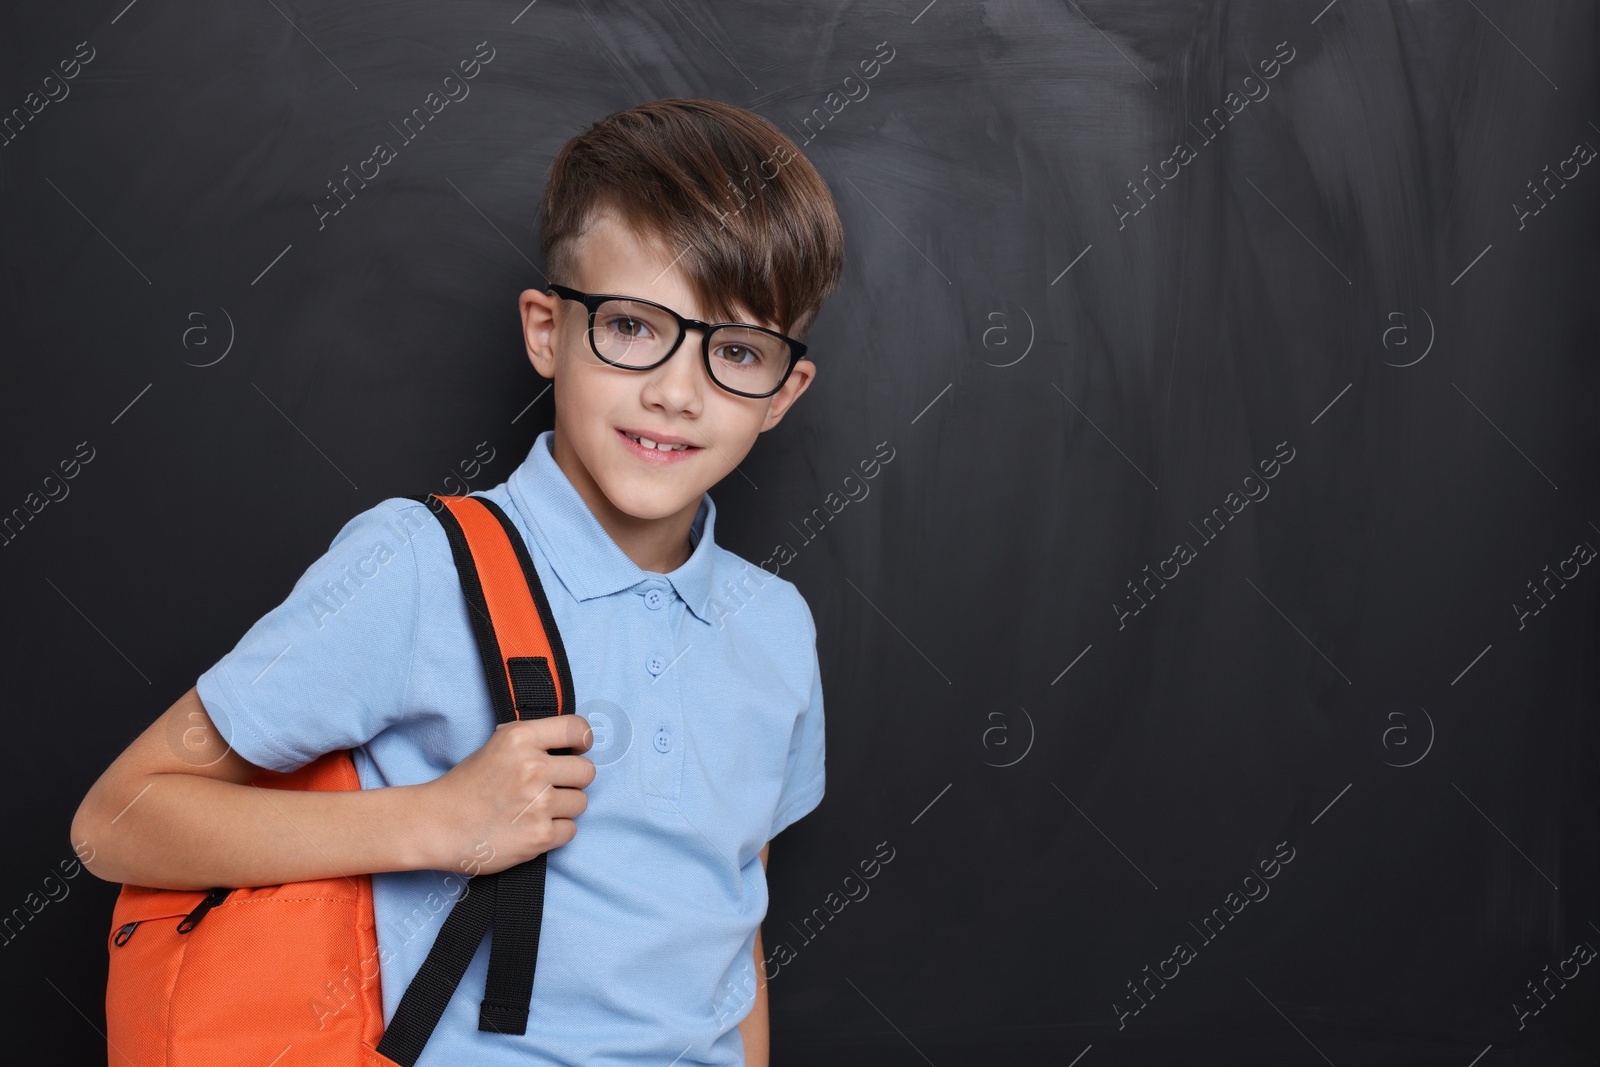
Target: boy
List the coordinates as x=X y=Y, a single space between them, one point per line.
x=699 y=735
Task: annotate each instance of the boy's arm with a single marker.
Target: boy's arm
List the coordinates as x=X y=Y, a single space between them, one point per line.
x=753 y=1027
x=176 y=811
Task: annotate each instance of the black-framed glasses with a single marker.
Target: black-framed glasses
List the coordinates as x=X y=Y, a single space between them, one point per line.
x=627 y=331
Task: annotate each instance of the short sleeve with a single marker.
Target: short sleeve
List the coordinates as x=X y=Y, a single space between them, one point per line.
x=804 y=775
x=330 y=666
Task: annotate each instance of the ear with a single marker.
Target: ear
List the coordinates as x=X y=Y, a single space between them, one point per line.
x=540 y=312
x=798 y=382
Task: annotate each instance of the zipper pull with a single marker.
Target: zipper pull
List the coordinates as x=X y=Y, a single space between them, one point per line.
x=124 y=932
x=212 y=899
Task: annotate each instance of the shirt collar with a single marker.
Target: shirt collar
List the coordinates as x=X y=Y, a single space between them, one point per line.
x=584 y=556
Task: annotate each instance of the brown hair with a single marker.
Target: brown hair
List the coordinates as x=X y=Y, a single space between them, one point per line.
x=755 y=222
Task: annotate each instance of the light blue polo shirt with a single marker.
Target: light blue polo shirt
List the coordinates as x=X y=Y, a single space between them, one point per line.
x=705 y=695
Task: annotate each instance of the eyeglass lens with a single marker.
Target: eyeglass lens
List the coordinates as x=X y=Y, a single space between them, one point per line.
x=637 y=335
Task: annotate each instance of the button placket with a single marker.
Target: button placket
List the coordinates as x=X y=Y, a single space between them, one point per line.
x=662 y=768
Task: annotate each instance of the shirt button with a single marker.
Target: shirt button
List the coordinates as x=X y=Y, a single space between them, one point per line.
x=663 y=741
x=655 y=664
x=653 y=599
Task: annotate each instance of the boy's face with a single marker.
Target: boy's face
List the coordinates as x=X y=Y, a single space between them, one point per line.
x=595 y=401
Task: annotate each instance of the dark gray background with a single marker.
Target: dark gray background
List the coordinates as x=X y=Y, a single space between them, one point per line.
x=1342 y=669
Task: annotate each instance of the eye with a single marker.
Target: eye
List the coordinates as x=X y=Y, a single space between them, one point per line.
x=628 y=327
x=739 y=355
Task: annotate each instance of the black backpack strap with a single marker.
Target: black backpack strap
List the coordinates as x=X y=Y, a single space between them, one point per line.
x=423 y=1004
x=519 y=899
x=522 y=684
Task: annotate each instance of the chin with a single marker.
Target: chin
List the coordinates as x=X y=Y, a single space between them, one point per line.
x=639 y=503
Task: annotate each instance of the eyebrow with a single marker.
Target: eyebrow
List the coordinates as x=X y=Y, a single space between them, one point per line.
x=663 y=303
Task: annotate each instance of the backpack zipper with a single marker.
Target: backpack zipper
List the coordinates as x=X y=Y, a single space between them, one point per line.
x=212 y=899
x=124 y=932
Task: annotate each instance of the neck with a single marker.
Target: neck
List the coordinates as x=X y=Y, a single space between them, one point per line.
x=656 y=545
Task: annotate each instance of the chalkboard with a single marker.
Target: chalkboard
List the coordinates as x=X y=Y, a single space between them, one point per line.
x=1210 y=664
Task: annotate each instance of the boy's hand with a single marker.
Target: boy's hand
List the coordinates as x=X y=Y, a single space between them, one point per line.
x=511 y=799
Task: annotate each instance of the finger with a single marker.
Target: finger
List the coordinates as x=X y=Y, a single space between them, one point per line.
x=564 y=829
x=564 y=731
x=555 y=731
x=566 y=803
x=573 y=772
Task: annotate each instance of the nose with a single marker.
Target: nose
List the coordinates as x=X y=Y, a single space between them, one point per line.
x=681 y=380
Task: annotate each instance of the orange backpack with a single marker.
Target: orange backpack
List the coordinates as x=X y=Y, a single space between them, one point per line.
x=286 y=975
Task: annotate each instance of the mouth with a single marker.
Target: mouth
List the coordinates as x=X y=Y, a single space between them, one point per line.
x=652 y=451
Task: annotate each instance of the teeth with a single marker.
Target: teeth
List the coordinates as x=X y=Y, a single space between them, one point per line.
x=652 y=444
